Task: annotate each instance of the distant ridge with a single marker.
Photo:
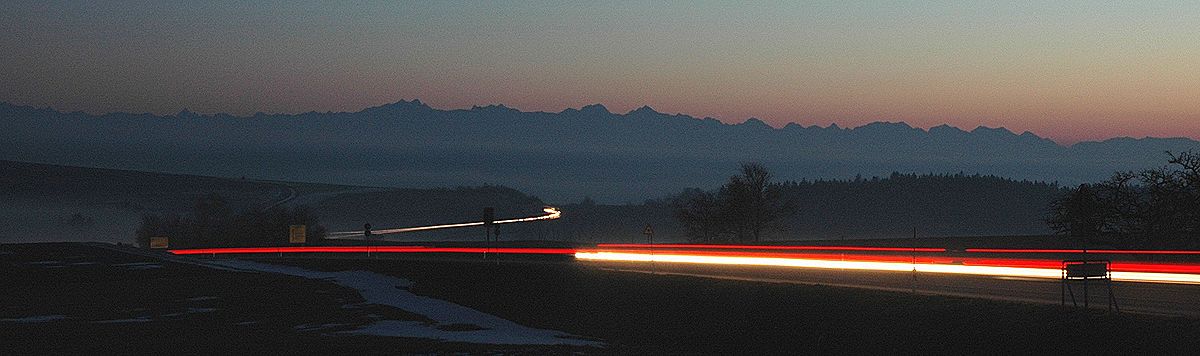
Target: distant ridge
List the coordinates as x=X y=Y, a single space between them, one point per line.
x=589 y=151
x=415 y=105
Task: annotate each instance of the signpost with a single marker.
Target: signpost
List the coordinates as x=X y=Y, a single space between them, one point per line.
x=649 y=232
x=297 y=234
x=1085 y=270
x=489 y=216
x=158 y=242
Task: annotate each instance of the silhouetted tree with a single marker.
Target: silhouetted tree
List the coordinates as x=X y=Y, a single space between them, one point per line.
x=888 y=206
x=1079 y=213
x=214 y=223
x=1151 y=207
x=742 y=209
x=700 y=214
x=752 y=202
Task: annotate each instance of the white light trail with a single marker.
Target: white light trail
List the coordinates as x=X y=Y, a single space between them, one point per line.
x=877 y=266
x=551 y=213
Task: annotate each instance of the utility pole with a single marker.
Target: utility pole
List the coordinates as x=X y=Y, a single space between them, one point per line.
x=649 y=232
x=489 y=215
x=914 y=261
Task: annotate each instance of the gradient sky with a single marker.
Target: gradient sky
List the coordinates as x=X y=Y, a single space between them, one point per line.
x=1065 y=70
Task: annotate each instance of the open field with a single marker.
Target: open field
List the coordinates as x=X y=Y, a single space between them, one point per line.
x=78 y=299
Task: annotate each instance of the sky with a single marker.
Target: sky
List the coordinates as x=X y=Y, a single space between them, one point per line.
x=1066 y=70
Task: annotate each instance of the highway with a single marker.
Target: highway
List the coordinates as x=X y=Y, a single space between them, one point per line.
x=1142 y=281
x=1137 y=297
x=1031 y=276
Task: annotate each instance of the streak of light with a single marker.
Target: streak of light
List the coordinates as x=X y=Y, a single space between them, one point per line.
x=507 y=250
x=295 y=249
x=994 y=267
x=1137 y=271
x=799 y=255
x=372 y=249
x=551 y=213
x=776 y=247
x=1114 y=252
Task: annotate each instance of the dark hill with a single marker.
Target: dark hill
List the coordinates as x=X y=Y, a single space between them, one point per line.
x=40 y=202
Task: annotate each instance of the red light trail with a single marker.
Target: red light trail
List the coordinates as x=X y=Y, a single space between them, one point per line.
x=827 y=257
x=776 y=247
x=1106 y=252
x=371 y=249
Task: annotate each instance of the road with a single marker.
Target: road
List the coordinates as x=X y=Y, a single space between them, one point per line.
x=1141 y=287
x=1138 y=297
x=549 y=213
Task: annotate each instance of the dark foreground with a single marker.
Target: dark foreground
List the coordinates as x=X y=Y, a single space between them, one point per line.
x=113 y=306
x=98 y=301
x=641 y=313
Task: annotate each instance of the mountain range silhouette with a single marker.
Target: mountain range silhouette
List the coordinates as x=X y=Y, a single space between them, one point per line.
x=563 y=156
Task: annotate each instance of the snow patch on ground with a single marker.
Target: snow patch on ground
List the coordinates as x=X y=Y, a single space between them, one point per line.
x=37 y=319
x=391 y=291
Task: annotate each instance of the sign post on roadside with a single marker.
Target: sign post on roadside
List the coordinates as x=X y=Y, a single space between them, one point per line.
x=649 y=232
x=489 y=216
x=297 y=234
x=158 y=242
x=1085 y=270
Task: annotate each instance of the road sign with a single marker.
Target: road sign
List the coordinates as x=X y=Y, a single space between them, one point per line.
x=1083 y=271
x=648 y=230
x=158 y=242
x=1087 y=270
x=297 y=234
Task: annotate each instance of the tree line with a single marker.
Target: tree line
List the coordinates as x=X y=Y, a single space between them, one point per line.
x=213 y=223
x=752 y=207
x=1152 y=207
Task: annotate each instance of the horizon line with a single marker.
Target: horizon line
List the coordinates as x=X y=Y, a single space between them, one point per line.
x=832 y=125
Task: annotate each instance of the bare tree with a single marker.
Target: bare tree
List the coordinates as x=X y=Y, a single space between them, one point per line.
x=700 y=214
x=1151 y=207
x=745 y=207
x=1080 y=214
